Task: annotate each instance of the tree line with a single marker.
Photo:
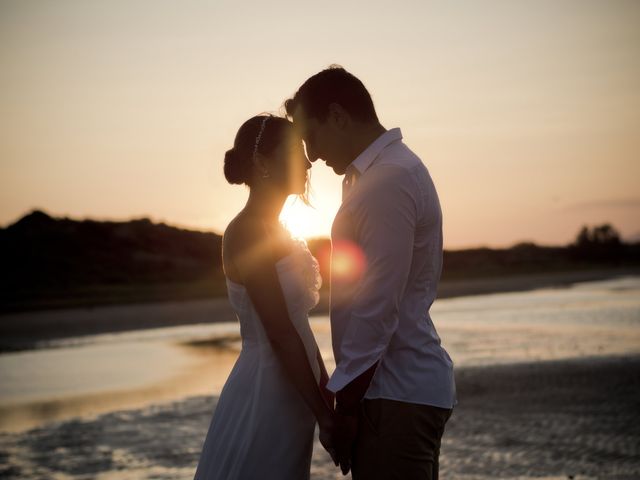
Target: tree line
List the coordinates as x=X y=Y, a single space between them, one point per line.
x=51 y=262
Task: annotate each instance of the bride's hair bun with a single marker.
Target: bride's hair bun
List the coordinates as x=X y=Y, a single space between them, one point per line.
x=260 y=134
x=234 y=170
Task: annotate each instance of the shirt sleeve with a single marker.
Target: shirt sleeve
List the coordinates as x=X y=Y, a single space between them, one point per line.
x=384 y=227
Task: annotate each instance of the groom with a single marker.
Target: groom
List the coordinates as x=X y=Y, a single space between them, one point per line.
x=393 y=380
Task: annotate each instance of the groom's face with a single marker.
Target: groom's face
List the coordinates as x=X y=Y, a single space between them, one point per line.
x=322 y=140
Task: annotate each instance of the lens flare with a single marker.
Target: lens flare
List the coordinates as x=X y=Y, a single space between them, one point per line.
x=348 y=262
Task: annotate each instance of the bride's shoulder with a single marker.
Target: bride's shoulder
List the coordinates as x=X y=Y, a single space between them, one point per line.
x=234 y=235
x=249 y=236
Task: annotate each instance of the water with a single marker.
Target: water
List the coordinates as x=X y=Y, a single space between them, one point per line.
x=91 y=375
x=593 y=318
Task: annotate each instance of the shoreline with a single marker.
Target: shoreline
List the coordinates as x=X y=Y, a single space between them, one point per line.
x=574 y=418
x=25 y=330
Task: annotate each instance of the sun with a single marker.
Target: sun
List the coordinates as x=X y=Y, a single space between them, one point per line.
x=298 y=219
x=304 y=221
x=314 y=221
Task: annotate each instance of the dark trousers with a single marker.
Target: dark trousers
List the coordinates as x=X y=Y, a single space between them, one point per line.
x=398 y=440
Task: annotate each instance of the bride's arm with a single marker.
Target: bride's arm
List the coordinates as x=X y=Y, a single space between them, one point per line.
x=255 y=261
x=324 y=379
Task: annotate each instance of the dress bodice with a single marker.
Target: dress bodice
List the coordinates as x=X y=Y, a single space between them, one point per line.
x=300 y=281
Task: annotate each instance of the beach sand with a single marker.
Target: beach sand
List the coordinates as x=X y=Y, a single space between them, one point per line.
x=565 y=419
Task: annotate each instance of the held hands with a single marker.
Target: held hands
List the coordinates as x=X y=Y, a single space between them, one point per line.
x=339 y=427
x=337 y=436
x=341 y=432
x=344 y=439
x=327 y=429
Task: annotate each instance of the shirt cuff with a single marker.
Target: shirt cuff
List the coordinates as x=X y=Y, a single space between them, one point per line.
x=340 y=378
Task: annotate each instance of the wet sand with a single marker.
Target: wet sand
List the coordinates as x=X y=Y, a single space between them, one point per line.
x=554 y=420
x=26 y=330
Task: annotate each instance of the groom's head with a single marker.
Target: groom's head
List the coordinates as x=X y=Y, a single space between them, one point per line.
x=331 y=110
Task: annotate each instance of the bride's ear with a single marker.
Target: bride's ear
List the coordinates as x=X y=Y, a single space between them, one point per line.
x=260 y=165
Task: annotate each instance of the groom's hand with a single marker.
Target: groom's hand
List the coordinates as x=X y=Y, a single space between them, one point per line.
x=348 y=404
x=344 y=438
x=328 y=396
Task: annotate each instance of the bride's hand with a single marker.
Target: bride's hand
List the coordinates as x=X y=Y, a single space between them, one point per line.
x=327 y=430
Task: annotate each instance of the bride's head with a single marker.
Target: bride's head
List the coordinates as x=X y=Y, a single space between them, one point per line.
x=267 y=153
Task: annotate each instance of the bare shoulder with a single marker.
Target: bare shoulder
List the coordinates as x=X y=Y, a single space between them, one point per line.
x=237 y=233
x=237 y=239
x=247 y=245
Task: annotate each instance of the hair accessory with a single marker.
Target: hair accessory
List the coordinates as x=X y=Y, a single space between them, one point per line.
x=255 y=147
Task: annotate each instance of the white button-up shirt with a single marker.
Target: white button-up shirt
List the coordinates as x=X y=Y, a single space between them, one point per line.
x=390 y=225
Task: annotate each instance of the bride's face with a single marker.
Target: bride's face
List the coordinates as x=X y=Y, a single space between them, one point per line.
x=290 y=165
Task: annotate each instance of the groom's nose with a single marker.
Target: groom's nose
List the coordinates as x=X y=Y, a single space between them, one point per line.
x=313 y=155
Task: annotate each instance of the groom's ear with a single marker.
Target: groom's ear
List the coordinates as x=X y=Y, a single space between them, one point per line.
x=338 y=116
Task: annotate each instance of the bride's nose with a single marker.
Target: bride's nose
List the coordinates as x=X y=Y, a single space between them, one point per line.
x=311 y=153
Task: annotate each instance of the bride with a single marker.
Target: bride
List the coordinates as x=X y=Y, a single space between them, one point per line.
x=265 y=419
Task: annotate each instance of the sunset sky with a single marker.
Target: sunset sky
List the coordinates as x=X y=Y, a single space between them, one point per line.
x=527 y=113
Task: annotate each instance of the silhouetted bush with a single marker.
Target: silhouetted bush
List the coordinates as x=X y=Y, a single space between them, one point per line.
x=43 y=256
x=598 y=244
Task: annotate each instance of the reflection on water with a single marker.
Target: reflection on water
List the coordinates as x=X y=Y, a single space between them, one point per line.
x=91 y=375
x=595 y=318
x=96 y=374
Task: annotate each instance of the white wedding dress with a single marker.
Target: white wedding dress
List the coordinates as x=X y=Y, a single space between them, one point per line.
x=261 y=427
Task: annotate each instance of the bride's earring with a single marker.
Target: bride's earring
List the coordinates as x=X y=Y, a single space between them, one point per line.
x=265 y=174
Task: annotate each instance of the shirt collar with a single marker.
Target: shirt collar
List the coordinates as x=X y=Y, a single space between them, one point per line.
x=366 y=158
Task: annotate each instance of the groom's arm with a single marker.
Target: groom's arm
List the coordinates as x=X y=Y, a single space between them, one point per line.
x=348 y=399
x=384 y=224
x=346 y=426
